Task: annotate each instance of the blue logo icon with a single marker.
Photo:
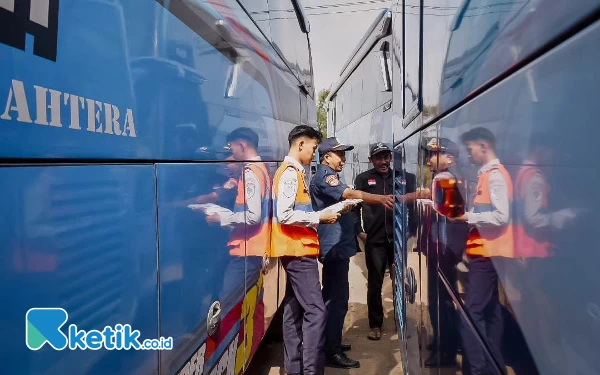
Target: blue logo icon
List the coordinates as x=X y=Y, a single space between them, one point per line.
x=42 y=325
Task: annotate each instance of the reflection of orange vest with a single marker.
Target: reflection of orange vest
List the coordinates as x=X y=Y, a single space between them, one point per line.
x=291 y=240
x=527 y=244
x=490 y=241
x=252 y=239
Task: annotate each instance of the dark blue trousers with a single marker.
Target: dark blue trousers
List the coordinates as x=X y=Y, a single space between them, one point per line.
x=336 y=293
x=482 y=303
x=304 y=317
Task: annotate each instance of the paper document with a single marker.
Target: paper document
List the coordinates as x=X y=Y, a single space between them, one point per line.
x=340 y=206
x=209 y=208
x=425 y=201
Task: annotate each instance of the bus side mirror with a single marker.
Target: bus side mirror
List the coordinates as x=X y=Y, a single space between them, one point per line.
x=446 y=195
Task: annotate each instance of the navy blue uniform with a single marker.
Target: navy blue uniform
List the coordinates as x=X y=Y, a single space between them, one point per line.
x=338 y=244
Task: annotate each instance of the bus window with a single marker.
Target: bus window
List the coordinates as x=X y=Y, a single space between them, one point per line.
x=370 y=86
x=357 y=81
x=259 y=11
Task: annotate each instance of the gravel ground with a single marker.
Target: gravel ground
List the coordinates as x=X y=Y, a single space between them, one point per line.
x=376 y=357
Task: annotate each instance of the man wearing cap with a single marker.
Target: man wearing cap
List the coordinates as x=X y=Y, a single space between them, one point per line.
x=445 y=251
x=250 y=225
x=338 y=244
x=378 y=231
x=255 y=182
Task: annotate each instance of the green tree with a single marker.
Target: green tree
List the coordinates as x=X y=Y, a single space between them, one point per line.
x=322 y=111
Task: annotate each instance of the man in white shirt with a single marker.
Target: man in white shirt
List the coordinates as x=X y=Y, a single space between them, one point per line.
x=295 y=241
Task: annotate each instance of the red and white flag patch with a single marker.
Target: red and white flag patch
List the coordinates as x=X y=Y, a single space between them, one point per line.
x=332 y=180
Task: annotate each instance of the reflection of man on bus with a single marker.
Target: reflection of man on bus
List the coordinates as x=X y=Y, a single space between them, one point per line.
x=535 y=224
x=446 y=251
x=222 y=194
x=490 y=239
x=535 y=228
x=250 y=229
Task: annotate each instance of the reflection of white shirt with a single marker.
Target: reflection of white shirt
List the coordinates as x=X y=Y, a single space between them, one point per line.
x=535 y=195
x=534 y=199
x=498 y=189
x=252 y=197
x=286 y=199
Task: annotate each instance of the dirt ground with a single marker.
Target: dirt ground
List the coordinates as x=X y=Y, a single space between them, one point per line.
x=376 y=357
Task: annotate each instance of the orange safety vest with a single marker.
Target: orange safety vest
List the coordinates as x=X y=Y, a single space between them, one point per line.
x=527 y=244
x=490 y=241
x=255 y=237
x=291 y=240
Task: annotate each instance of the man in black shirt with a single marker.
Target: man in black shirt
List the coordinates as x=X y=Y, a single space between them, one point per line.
x=337 y=243
x=378 y=231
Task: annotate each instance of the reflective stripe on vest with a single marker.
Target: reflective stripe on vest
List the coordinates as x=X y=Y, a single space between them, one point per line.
x=490 y=241
x=529 y=243
x=291 y=240
x=253 y=239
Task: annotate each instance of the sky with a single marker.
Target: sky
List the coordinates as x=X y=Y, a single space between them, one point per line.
x=333 y=36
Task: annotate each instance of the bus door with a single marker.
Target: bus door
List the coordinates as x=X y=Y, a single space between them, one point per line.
x=408 y=260
x=407 y=107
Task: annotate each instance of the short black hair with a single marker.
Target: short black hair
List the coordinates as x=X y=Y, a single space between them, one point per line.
x=540 y=140
x=304 y=131
x=479 y=134
x=245 y=134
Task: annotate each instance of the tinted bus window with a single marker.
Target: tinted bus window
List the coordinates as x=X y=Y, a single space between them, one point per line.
x=412 y=57
x=370 y=86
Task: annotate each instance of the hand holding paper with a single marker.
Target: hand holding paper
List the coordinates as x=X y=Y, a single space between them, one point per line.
x=343 y=206
x=209 y=208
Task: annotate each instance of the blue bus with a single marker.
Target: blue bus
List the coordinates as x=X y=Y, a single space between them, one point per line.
x=514 y=82
x=114 y=117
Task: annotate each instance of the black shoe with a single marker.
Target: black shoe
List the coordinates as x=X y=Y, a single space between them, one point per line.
x=346 y=347
x=340 y=360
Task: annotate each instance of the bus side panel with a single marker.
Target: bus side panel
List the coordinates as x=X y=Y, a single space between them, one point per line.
x=544 y=120
x=196 y=269
x=140 y=80
x=93 y=67
x=80 y=238
x=408 y=252
x=260 y=300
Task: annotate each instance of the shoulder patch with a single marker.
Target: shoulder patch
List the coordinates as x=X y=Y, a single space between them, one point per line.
x=497 y=192
x=289 y=188
x=250 y=190
x=332 y=180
